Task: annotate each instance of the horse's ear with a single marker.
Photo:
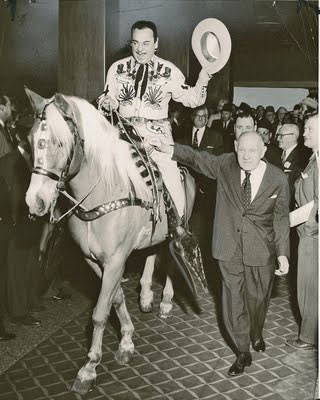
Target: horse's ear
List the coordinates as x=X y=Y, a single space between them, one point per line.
x=37 y=102
x=64 y=107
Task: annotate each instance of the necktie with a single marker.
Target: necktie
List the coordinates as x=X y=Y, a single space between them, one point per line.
x=283 y=157
x=138 y=78
x=195 y=143
x=142 y=72
x=224 y=125
x=246 y=190
x=144 y=82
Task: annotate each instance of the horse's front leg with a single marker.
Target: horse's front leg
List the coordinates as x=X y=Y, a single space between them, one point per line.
x=112 y=274
x=165 y=308
x=146 y=294
x=126 y=347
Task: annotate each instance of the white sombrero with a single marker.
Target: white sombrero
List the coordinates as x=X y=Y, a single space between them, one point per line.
x=211 y=43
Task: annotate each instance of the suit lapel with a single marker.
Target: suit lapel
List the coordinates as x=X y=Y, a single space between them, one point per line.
x=234 y=184
x=291 y=156
x=265 y=184
x=204 y=140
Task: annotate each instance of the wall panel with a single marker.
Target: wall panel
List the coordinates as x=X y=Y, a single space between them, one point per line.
x=81 y=67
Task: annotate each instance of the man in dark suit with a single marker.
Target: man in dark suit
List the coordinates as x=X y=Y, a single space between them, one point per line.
x=200 y=137
x=225 y=126
x=5 y=116
x=6 y=225
x=294 y=159
x=23 y=269
x=294 y=156
x=251 y=234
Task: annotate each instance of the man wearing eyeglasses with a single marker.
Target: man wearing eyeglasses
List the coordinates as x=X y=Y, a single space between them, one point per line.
x=294 y=156
x=141 y=86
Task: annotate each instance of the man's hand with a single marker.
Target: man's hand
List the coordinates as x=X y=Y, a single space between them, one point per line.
x=283 y=264
x=108 y=103
x=204 y=75
x=159 y=144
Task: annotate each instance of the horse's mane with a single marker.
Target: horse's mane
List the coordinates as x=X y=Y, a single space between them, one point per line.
x=107 y=156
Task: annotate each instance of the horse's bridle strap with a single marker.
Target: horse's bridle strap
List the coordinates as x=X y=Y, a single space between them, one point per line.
x=114 y=205
x=42 y=171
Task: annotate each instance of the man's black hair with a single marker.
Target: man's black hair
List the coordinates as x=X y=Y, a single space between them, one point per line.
x=246 y=114
x=3 y=99
x=199 y=108
x=145 y=24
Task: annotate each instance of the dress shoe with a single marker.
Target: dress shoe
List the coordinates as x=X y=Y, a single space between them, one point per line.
x=259 y=345
x=243 y=360
x=299 y=344
x=61 y=295
x=7 y=336
x=27 y=320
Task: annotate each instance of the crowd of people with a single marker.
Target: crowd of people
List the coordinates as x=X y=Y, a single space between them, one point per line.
x=251 y=167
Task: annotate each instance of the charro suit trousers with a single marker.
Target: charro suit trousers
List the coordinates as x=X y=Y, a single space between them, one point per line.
x=246 y=292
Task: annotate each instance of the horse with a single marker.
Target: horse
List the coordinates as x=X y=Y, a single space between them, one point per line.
x=73 y=142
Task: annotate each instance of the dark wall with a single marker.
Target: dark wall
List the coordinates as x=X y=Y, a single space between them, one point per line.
x=81 y=48
x=29 y=47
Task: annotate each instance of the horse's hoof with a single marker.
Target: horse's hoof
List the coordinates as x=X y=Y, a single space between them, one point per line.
x=84 y=387
x=123 y=357
x=165 y=311
x=165 y=314
x=146 y=308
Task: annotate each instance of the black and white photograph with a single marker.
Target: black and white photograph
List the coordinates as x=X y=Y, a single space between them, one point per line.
x=159 y=177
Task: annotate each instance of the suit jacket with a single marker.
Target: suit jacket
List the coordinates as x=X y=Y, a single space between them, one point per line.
x=5 y=145
x=293 y=165
x=211 y=142
x=263 y=228
x=227 y=134
x=14 y=182
x=273 y=155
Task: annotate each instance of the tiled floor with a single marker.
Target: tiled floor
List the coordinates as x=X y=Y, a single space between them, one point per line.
x=184 y=357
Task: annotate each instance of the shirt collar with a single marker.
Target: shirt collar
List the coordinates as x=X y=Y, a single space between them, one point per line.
x=290 y=149
x=200 y=130
x=151 y=63
x=258 y=170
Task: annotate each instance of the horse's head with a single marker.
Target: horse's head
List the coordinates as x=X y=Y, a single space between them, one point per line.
x=55 y=142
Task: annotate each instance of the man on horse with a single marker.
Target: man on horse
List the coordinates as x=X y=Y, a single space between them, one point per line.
x=140 y=88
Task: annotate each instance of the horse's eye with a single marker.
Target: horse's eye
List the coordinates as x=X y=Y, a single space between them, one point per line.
x=41 y=143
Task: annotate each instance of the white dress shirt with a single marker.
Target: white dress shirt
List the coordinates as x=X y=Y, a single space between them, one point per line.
x=255 y=178
x=199 y=134
x=1 y=123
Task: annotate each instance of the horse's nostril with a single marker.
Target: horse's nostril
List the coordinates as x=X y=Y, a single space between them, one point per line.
x=40 y=204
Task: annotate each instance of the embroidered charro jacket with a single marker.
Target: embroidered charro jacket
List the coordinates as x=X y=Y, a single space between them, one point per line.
x=164 y=81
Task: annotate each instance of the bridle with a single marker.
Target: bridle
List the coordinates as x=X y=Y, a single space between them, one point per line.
x=71 y=168
x=74 y=159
